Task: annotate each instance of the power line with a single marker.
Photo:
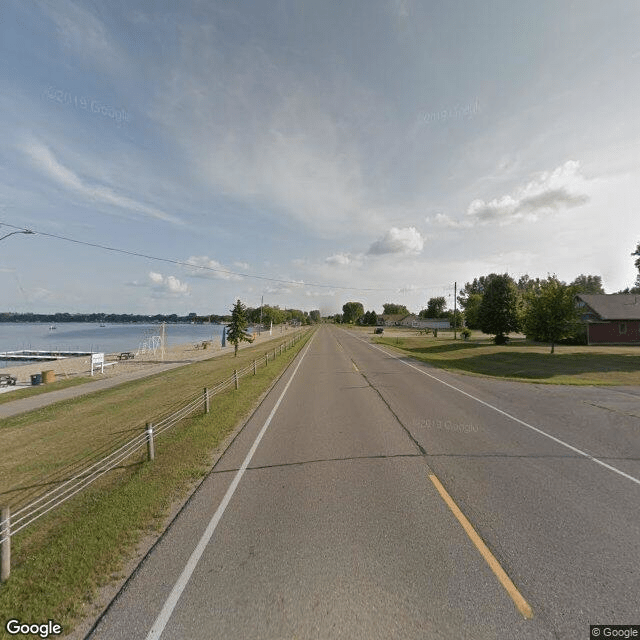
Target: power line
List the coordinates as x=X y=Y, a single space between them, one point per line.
x=204 y=267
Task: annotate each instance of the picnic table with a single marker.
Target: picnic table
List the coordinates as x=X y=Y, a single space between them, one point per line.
x=7 y=380
x=127 y=355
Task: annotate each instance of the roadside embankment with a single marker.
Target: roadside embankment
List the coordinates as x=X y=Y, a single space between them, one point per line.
x=88 y=545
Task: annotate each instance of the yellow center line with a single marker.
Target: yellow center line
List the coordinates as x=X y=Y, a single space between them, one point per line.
x=521 y=604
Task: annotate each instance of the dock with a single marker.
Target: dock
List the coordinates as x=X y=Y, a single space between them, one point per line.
x=37 y=355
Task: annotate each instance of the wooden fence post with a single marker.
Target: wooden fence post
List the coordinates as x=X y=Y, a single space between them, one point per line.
x=150 y=448
x=254 y=366
x=206 y=400
x=235 y=375
x=5 y=535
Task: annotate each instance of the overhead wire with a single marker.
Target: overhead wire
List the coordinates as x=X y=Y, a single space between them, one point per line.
x=190 y=265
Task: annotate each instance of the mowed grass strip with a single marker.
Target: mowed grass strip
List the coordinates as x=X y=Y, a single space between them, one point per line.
x=27 y=392
x=40 y=446
x=60 y=561
x=525 y=361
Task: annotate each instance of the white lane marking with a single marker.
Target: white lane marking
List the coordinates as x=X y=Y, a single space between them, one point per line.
x=508 y=415
x=161 y=621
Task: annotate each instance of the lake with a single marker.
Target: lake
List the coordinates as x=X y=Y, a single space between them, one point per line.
x=89 y=336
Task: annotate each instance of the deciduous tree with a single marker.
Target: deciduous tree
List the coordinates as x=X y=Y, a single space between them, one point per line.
x=351 y=311
x=389 y=308
x=436 y=307
x=550 y=312
x=498 y=313
x=588 y=284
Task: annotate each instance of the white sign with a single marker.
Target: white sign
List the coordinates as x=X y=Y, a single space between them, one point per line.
x=97 y=359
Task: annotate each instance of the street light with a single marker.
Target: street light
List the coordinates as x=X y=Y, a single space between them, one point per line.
x=27 y=231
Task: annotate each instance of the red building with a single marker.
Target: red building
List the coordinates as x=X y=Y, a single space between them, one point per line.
x=611 y=318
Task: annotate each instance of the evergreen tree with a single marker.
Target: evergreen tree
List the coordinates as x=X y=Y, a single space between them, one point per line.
x=236 y=330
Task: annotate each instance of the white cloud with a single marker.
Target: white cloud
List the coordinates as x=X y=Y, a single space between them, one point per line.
x=45 y=161
x=279 y=289
x=404 y=241
x=409 y=288
x=268 y=134
x=443 y=220
x=320 y=294
x=168 y=285
x=205 y=267
x=81 y=31
x=339 y=259
x=552 y=190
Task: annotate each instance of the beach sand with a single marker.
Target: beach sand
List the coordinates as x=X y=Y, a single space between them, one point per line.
x=81 y=366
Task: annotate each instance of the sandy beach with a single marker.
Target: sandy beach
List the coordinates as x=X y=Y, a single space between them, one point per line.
x=81 y=366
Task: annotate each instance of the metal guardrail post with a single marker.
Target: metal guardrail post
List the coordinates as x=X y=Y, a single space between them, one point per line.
x=206 y=400
x=235 y=375
x=5 y=534
x=150 y=448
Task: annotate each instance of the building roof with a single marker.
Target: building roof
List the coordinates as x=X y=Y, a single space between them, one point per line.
x=613 y=306
x=392 y=317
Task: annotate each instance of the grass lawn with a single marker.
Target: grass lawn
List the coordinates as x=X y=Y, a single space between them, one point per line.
x=27 y=392
x=59 y=561
x=522 y=360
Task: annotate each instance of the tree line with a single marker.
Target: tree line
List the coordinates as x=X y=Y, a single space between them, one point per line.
x=354 y=313
x=269 y=314
x=497 y=304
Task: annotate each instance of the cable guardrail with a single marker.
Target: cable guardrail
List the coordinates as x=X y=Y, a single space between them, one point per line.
x=10 y=524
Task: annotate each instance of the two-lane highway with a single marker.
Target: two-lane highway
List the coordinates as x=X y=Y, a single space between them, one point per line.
x=338 y=512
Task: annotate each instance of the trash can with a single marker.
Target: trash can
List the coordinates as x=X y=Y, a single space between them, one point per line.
x=36 y=379
x=48 y=376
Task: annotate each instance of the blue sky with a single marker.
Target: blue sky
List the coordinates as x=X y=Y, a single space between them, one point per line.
x=383 y=149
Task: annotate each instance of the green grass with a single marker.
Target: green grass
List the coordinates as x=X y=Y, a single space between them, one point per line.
x=60 y=561
x=525 y=361
x=27 y=392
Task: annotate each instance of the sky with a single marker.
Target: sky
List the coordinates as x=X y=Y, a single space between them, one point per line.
x=312 y=152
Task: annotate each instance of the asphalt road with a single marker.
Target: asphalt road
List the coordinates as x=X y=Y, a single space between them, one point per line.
x=324 y=518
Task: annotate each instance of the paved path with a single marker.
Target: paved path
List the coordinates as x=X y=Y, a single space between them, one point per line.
x=23 y=405
x=333 y=513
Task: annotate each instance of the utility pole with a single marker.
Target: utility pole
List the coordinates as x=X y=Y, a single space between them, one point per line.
x=261 y=305
x=455 y=310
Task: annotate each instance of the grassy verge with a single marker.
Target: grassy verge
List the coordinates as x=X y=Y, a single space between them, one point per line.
x=27 y=392
x=60 y=561
x=525 y=361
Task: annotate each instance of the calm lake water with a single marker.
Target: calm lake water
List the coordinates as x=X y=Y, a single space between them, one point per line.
x=88 y=336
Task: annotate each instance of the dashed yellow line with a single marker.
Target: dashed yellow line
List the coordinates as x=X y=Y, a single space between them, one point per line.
x=521 y=604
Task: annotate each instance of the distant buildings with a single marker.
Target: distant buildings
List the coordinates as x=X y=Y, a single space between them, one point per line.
x=413 y=321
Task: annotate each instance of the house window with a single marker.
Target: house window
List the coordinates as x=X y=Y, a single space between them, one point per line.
x=622 y=327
